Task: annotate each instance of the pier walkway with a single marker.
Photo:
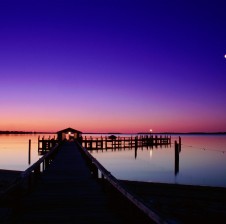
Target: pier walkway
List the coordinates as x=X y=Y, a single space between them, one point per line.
x=68 y=193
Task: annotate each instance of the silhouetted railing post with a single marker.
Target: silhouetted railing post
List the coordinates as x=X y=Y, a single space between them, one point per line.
x=37 y=172
x=94 y=170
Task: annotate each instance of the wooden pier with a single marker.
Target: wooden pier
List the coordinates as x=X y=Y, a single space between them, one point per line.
x=44 y=145
x=124 y=142
x=110 y=142
x=68 y=185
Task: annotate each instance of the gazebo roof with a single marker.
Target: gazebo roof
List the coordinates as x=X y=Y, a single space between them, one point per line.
x=69 y=130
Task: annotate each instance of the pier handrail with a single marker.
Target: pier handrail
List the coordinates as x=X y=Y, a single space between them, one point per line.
x=37 y=164
x=33 y=169
x=118 y=186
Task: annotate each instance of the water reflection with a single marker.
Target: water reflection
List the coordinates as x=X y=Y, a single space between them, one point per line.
x=201 y=159
x=151 y=153
x=14 y=151
x=188 y=164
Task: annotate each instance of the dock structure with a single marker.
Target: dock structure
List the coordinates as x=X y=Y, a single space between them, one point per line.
x=68 y=185
x=114 y=142
x=44 y=145
x=111 y=142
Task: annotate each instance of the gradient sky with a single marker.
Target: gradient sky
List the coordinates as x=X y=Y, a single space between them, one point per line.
x=113 y=65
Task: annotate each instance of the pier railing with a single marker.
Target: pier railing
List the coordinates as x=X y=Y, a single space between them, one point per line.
x=105 y=175
x=28 y=178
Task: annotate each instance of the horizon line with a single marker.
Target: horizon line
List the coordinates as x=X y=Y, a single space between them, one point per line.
x=115 y=132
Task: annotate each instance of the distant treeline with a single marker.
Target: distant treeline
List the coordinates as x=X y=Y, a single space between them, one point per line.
x=157 y=133
x=24 y=132
x=184 y=133
x=117 y=133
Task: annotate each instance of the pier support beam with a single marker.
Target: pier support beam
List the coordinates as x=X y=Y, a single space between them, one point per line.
x=29 y=152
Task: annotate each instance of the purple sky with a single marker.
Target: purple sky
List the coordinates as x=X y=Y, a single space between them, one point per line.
x=111 y=65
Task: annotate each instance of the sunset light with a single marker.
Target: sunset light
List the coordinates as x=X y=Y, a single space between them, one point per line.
x=111 y=68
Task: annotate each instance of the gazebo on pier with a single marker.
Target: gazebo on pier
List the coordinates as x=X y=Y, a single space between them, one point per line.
x=69 y=134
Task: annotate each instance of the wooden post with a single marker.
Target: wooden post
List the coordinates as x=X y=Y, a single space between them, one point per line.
x=102 y=143
x=29 y=152
x=37 y=172
x=97 y=141
x=91 y=143
x=124 y=142
x=179 y=144
x=176 y=158
x=39 y=142
x=136 y=140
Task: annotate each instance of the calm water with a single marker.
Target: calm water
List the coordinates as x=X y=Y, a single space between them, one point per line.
x=14 y=151
x=202 y=160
